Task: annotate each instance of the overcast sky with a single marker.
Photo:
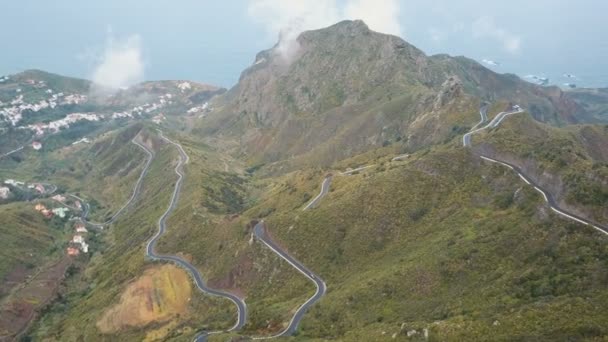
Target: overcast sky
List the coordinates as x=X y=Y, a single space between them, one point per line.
x=122 y=41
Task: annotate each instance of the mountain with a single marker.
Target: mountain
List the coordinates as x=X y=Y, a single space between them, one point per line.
x=594 y=101
x=415 y=236
x=348 y=89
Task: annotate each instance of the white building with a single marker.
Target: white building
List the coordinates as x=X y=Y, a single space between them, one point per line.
x=4 y=192
x=36 y=145
x=78 y=239
x=184 y=86
x=13 y=182
x=84 y=247
x=60 y=212
x=59 y=198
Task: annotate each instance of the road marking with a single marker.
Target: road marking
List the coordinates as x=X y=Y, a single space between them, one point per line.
x=599 y=229
x=497 y=161
x=569 y=216
x=542 y=193
x=523 y=178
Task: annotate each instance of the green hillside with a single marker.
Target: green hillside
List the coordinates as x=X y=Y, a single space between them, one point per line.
x=438 y=245
x=571 y=162
x=28 y=242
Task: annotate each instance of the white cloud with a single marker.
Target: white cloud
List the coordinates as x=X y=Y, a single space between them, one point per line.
x=121 y=63
x=485 y=27
x=288 y=19
x=379 y=15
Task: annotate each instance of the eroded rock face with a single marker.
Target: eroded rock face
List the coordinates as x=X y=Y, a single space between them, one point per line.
x=450 y=89
x=332 y=67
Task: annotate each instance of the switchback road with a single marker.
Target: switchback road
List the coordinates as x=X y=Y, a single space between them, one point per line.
x=466 y=140
x=196 y=275
x=260 y=233
x=136 y=191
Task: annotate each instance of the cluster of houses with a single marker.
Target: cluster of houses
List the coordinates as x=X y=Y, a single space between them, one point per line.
x=49 y=213
x=198 y=109
x=78 y=243
x=183 y=86
x=158 y=118
x=63 y=200
x=13 y=111
x=163 y=100
x=35 y=186
x=41 y=208
x=55 y=126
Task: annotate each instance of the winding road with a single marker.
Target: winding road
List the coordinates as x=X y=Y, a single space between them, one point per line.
x=350 y=172
x=260 y=233
x=11 y=152
x=136 y=191
x=324 y=190
x=466 y=141
x=196 y=275
x=400 y=157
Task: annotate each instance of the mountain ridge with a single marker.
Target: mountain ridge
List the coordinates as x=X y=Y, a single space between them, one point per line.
x=346 y=72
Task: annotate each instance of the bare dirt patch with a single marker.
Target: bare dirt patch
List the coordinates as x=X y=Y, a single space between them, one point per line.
x=21 y=307
x=159 y=295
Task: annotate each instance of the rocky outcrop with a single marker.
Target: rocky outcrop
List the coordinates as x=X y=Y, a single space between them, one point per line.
x=450 y=89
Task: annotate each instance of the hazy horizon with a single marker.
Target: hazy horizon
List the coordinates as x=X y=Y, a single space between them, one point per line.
x=212 y=43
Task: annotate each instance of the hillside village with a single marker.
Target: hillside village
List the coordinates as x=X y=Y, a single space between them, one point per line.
x=66 y=207
x=78 y=241
x=14 y=110
x=16 y=107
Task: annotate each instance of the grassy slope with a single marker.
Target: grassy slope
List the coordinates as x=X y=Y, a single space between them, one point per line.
x=27 y=240
x=102 y=172
x=441 y=239
x=122 y=262
x=204 y=229
x=574 y=159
